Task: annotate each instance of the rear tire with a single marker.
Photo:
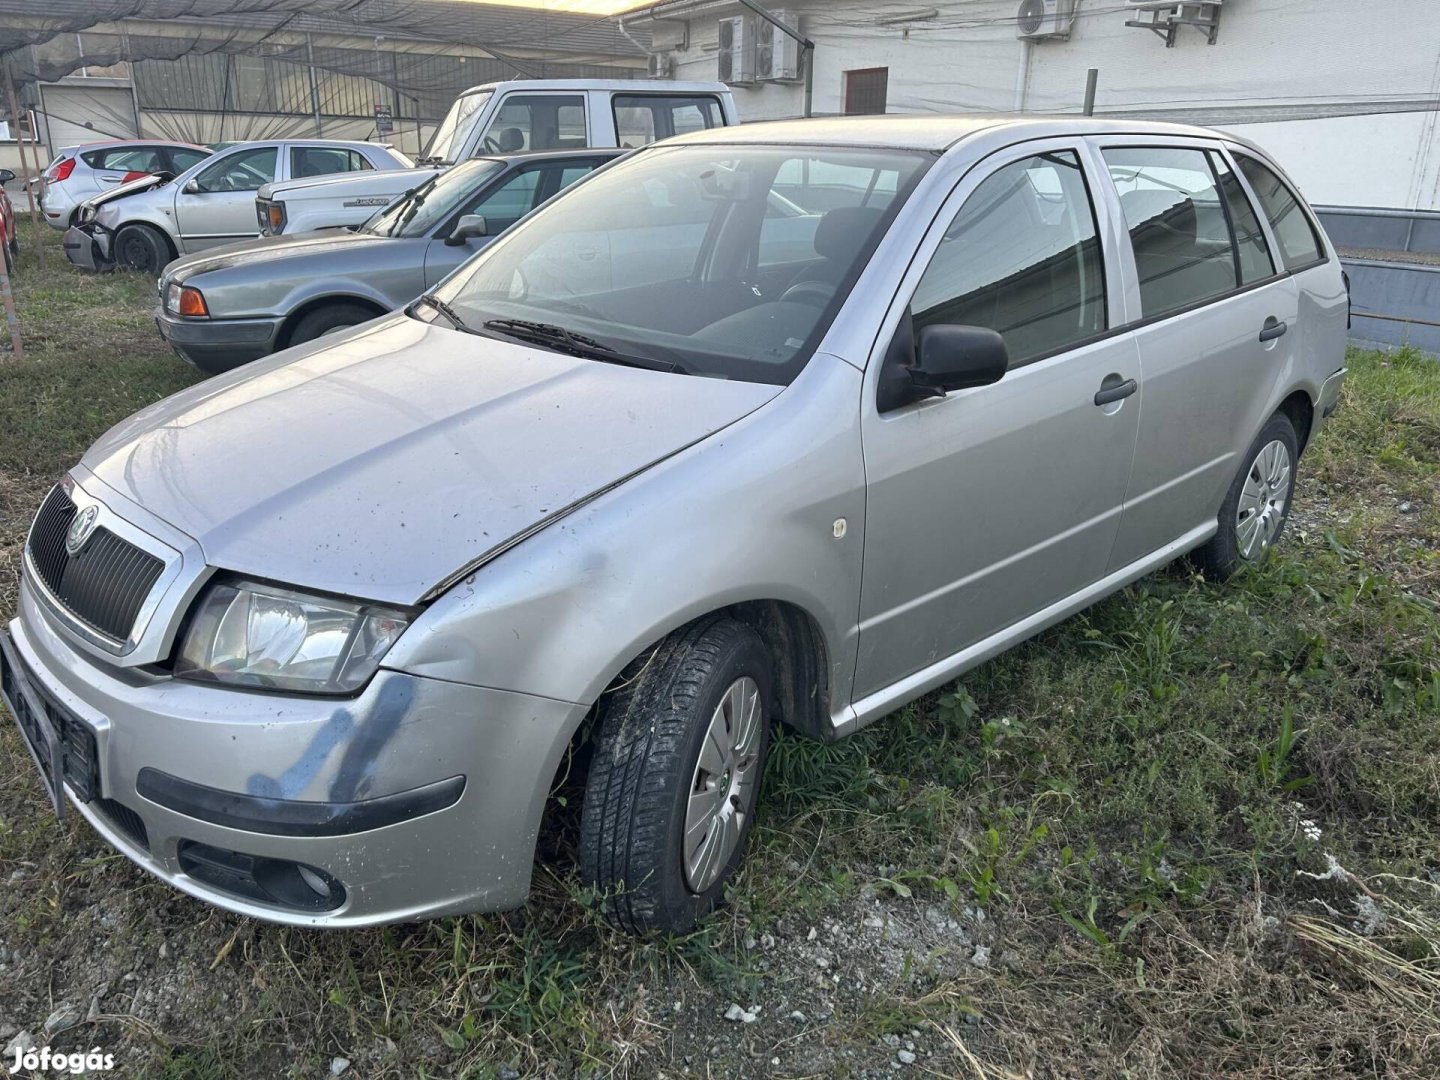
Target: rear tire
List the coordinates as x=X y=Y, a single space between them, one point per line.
x=1257 y=506
x=141 y=247
x=668 y=804
x=327 y=320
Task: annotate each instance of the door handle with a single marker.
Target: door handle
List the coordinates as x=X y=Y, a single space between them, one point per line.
x=1108 y=395
x=1274 y=328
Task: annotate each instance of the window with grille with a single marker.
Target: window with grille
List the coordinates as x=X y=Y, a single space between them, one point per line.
x=865 y=91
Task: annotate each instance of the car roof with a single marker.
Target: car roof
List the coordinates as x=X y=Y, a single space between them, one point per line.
x=626 y=86
x=102 y=143
x=928 y=132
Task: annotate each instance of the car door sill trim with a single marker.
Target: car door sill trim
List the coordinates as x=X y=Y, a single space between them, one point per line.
x=872 y=707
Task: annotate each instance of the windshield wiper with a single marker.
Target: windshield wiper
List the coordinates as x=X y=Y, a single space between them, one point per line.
x=558 y=338
x=445 y=309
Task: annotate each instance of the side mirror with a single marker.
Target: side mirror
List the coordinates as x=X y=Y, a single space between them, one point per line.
x=469 y=225
x=192 y=186
x=957 y=358
x=6 y=176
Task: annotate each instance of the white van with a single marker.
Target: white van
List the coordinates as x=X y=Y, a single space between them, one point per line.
x=508 y=118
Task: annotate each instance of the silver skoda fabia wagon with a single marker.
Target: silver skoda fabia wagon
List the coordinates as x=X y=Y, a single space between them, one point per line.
x=783 y=423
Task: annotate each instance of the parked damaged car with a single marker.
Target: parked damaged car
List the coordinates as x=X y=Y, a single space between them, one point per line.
x=232 y=305
x=79 y=173
x=148 y=222
x=314 y=639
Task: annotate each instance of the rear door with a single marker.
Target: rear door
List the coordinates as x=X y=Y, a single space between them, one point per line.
x=641 y=119
x=115 y=165
x=1215 y=313
x=217 y=206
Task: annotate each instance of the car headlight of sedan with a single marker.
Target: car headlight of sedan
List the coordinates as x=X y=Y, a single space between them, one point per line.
x=265 y=636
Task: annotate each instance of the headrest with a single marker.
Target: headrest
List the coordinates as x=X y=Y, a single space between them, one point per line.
x=842 y=232
x=512 y=140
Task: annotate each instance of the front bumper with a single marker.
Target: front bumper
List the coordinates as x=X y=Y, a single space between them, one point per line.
x=88 y=248
x=303 y=764
x=216 y=345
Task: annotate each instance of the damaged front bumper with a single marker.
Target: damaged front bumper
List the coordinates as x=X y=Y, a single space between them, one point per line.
x=417 y=798
x=89 y=247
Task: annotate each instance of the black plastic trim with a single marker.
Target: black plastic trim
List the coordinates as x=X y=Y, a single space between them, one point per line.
x=291 y=817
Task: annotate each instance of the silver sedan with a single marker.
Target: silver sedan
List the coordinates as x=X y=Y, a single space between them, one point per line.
x=229 y=306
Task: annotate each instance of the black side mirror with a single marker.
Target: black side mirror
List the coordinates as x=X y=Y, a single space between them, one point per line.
x=6 y=176
x=956 y=358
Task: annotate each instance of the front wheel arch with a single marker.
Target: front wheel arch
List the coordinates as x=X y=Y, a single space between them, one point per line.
x=287 y=328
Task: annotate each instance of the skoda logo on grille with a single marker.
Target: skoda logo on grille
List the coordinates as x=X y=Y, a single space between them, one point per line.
x=80 y=529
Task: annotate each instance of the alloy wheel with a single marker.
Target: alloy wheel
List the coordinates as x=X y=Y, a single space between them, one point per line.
x=722 y=787
x=1263 y=500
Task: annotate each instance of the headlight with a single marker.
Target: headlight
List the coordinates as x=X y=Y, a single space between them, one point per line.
x=252 y=634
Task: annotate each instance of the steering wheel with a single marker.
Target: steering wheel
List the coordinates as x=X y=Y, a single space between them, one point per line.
x=491 y=144
x=809 y=292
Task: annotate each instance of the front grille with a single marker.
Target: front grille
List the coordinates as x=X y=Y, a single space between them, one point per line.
x=106 y=584
x=126 y=820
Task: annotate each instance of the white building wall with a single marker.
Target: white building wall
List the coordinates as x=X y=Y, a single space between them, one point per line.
x=1277 y=66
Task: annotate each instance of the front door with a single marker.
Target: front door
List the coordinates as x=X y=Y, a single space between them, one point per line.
x=1213 y=336
x=217 y=206
x=991 y=504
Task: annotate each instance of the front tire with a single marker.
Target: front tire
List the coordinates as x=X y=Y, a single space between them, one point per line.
x=675 y=779
x=327 y=320
x=139 y=247
x=1257 y=506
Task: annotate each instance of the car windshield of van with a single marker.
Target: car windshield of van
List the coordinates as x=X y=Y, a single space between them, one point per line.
x=418 y=211
x=449 y=138
x=725 y=261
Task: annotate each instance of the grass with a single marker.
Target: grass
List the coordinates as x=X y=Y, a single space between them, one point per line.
x=1195 y=832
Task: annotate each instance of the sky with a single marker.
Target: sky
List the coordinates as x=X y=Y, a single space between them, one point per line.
x=588 y=7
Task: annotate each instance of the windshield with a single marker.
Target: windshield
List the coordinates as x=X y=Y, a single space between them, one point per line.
x=449 y=138
x=418 y=211
x=730 y=261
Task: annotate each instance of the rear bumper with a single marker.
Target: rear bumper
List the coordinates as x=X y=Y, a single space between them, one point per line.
x=1328 y=401
x=418 y=798
x=89 y=250
x=216 y=345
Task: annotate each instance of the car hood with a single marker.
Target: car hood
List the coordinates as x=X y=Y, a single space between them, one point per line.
x=348 y=185
x=382 y=462
x=264 y=248
x=119 y=191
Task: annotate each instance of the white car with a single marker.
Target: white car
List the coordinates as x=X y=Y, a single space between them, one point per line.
x=145 y=224
x=508 y=118
x=81 y=172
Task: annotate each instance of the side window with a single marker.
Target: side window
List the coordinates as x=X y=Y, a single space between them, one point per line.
x=1299 y=244
x=1251 y=250
x=641 y=119
x=182 y=159
x=507 y=204
x=135 y=159
x=571 y=173
x=536 y=122
x=244 y=170
x=1022 y=257
x=324 y=160
x=1184 y=251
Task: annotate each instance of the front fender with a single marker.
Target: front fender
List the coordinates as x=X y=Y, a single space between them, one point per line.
x=748 y=514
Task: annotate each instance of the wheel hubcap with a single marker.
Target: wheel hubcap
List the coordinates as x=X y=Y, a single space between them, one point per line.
x=722 y=786
x=1263 y=500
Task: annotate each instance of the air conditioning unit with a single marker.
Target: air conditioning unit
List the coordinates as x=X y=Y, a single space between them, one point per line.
x=1045 y=20
x=661 y=66
x=777 y=54
x=737 y=50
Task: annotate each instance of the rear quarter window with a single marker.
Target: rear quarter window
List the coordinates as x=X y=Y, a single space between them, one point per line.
x=1295 y=233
